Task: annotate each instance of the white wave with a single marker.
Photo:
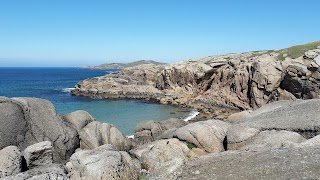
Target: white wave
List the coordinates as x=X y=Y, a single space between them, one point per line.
x=130 y=137
x=67 y=90
x=192 y=115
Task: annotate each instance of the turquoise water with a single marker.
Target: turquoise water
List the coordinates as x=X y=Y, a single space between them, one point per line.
x=53 y=83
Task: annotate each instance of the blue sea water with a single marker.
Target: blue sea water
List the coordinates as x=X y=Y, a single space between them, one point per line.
x=53 y=83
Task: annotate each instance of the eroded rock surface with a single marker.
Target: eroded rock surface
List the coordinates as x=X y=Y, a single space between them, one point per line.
x=284 y=163
x=10 y=161
x=39 y=154
x=149 y=131
x=26 y=121
x=96 y=134
x=232 y=81
x=102 y=163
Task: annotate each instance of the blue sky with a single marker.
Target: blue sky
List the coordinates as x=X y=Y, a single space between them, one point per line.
x=83 y=32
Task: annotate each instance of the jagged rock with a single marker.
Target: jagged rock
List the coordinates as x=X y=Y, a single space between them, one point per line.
x=78 y=119
x=284 y=163
x=207 y=135
x=39 y=154
x=10 y=161
x=134 y=82
x=102 y=163
x=27 y=121
x=96 y=134
x=232 y=81
x=149 y=131
x=47 y=172
x=163 y=153
x=273 y=139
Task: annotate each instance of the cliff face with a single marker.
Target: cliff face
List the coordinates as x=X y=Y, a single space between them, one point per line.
x=233 y=81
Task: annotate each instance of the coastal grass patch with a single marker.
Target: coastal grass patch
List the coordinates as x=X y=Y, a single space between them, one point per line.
x=296 y=51
x=142 y=176
x=191 y=145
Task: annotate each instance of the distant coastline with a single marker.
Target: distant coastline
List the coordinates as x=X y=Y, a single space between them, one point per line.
x=119 y=66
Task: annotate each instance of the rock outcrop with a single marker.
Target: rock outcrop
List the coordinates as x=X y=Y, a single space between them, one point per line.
x=102 y=163
x=284 y=163
x=230 y=82
x=135 y=82
x=26 y=121
x=149 y=131
x=47 y=172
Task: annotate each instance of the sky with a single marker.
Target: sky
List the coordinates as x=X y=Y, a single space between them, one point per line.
x=74 y=33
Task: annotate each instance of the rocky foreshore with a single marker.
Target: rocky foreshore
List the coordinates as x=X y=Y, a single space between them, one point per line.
x=277 y=141
x=217 y=85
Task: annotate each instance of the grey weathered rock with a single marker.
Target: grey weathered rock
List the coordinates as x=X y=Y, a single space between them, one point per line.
x=284 y=163
x=273 y=139
x=96 y=134
x=301 y=116
x=30 y=120
x=149 y=131
x=208 y=135
x=10 y=161
x=102 y=163
x=238 y=136
x=168 y=155
x=238 y=117
x=167 y=170
x=78 y=119
x=47 y=172
x=39 y=154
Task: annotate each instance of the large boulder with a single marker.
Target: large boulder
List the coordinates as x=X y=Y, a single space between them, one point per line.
x=39 y=154
x=26 y=121
x=10 y=161
x=47 y=172
x=78 y=119
x=208 y=135
x=301 y=116
x=102 y=163
x=149 y=131
x=284 y=163
x=273 y=139
x=96 y=134
x=163 y=153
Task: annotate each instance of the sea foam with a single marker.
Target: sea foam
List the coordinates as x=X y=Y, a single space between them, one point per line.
x=67 y=90
x=192 y=115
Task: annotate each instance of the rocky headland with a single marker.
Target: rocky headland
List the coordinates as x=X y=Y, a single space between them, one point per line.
x=217 y=85
x=273 y=134
x=122 y=65
x=279 y=140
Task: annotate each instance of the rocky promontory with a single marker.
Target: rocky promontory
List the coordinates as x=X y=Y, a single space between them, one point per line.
x=122 y=65
x=232 y=81
x=279 y=140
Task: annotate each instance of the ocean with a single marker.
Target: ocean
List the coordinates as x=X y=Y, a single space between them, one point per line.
x=54 y=85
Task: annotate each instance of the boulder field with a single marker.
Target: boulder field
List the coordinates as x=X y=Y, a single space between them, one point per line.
x=217 y=85
x=277 y=141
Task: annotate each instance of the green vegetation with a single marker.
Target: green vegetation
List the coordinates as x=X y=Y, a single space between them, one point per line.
x=191 y=145
x=142 y=176
x=297 y=51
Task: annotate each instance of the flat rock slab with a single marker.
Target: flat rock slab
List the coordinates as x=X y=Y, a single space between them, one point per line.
x=286 y=163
